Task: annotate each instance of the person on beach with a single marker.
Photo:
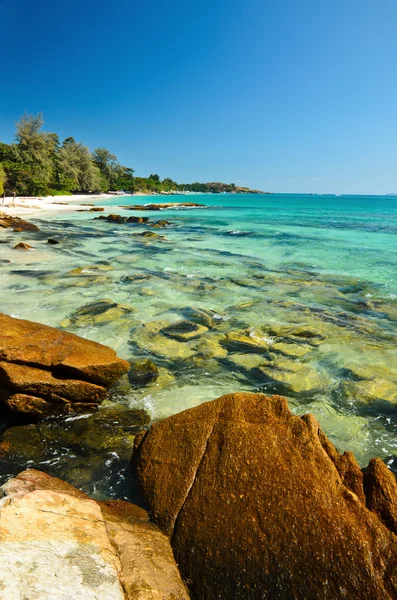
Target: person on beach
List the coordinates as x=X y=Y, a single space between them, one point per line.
x=13 y=197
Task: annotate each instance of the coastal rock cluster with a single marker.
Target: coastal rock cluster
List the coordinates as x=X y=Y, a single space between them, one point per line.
x=44 y=371
x=16 y=223
x=56 y=542
x=258 y=503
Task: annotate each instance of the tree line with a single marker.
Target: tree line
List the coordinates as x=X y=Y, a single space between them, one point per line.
x=39 y=164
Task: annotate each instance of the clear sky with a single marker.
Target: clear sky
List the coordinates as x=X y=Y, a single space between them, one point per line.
x=282 y=95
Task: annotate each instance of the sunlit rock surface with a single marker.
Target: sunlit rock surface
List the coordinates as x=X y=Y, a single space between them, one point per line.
x=44 y=371
x=58 y=544
x=258 y=503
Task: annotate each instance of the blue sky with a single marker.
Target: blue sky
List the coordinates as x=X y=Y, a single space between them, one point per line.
x=282 y=95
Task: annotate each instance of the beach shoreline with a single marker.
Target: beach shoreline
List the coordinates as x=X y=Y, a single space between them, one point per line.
x=29 y=206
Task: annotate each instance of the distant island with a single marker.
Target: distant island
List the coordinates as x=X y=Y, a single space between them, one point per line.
x=38 y=164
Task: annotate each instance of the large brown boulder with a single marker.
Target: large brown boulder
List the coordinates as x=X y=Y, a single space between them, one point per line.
x=46 y=371
x=259 y=504
x=55 y=542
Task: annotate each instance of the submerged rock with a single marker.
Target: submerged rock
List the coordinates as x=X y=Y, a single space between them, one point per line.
x=259 y=504
x=199 y=316
x=109 y=429
x=246 y=341
x=99 y=312
x=184 y=330
x=57 y=542
x=52 y=241
x=148 y=337
x=43 y=369
x=369 y=391
x=160 y=224
x=143 y=371
x=150 y=235
x=292 y=378
x=89 y=271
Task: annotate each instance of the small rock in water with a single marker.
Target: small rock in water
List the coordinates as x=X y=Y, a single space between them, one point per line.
x=23 y=246
x=184 y=330
x=52 y=241
x=143 y=371
x=99 y=312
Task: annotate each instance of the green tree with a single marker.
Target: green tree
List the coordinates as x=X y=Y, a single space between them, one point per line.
x=35 y=155
x=75 y=168
x=2 y=179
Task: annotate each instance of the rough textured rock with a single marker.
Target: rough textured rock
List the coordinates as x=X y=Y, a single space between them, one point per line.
x=58 y=544
x=259 y=504
x=45 y=371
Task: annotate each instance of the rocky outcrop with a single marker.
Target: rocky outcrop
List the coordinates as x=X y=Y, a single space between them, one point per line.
x=16 y=223
x=55 y=542
x=163 y=206
x=259 y=504
x=45 y=371
x=113 y=218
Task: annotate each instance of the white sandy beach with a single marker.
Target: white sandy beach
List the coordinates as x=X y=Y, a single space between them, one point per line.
x=28 y=206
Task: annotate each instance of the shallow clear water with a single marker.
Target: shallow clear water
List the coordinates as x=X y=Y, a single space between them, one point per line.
x=271 y=266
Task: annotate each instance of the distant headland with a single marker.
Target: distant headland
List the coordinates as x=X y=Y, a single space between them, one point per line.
x=39 y=164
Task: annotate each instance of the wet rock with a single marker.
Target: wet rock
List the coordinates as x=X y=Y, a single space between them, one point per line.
x=41 y=366
x=55 y=538
x=16 y=223
x=150 y=235
x=163 y=205
x=312 y=334
x=250 y=495
x=97 y=209
x=199 y=316
x=246 y=341
x=23 y=246
x=89 y=271
x=148 y=337
x=160 y=224
x=108 y=429
x=247 y=361
x=294 y=350
x=369 y=391
x=52 y=241
x=114 y=219
x=119 y=219
x=292 y=378
x=99 y=312
x=138 y=220
x=138 y=278
x=184 y=330
x=209 y=347
x=143 y=371
x=362 y=370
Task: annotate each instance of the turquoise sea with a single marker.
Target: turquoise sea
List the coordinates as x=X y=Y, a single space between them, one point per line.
x=290 y=294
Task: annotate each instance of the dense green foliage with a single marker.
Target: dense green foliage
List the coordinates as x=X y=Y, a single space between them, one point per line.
x=38 y=164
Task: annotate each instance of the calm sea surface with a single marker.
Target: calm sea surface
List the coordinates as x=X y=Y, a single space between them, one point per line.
x=288 y=294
